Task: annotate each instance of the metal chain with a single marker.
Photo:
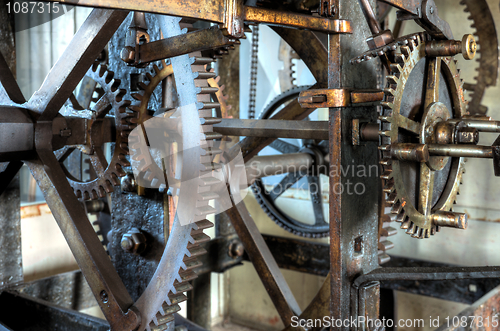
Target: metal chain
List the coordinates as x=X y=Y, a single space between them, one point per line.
x=253 y=71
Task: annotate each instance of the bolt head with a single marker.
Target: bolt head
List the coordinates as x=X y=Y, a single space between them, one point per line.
x=128 y=55
x=128 y=184
x=134 y=241
x=236 y=249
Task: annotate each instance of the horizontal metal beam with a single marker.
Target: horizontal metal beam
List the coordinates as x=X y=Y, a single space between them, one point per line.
x=431 y=273
x=214 y=11
x=201 y=40
x=273 y=128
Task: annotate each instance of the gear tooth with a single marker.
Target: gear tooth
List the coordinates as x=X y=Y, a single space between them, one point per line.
x=385 y=119
x=406 y=51
x=410 y=228
x=406 y=225
x=427 y=234
x=392 y=79
x=108 y=186
x=397 y=207
x=86 y=195
x=387 y=174
x=396 y=68
x=392 y=199
x=79 y=194
x=138 y=97
x=114 y=179
x=93 y=195
x=387 y=105
x=101 y=192
x=385 y=133
x=142 y=85
x=101 y=70
x=384 y=148
x=416 y=232
x=401 y=216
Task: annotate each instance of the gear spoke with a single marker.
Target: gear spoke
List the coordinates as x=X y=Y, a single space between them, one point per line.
x=99 y=162
x=316 y=199
x=409 y=124
x=432 y=83
x=102 y=107
x=9 y=83
x=285 y=184
x=284 y=147
x=426 y=189
x=68 y=71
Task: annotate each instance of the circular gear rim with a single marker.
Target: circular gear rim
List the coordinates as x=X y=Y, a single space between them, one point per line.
x=406 y=214
x=105 y=181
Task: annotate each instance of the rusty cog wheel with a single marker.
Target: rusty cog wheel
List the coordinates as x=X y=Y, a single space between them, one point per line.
x=417 y=193
x=110 y=106
x=190 y=74
x=487 y=39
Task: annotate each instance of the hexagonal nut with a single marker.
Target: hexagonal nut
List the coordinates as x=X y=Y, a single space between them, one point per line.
x=128 y=54
x=380 y=40
x=134 y=241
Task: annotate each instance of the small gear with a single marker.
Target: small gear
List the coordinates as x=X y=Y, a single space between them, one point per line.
x=402 y=41
x=404 y=120
x=110 y=104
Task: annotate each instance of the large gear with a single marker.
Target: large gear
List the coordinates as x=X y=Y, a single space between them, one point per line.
x=107 y=173
x=179 y=258
x=404 y=120
x=487 y=72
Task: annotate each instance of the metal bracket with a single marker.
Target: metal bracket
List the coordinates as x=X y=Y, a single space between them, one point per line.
x=338 y=98
x=234 y=12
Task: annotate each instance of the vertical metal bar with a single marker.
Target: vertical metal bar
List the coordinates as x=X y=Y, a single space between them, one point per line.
x=336 y=271
x=11 y=268
x=353 y=215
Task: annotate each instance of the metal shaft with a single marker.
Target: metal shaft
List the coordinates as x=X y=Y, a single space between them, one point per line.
x=371 y=19
x=270 y=165
x=484 y=152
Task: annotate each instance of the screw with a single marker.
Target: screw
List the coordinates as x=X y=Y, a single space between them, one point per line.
x=432 y=10
x=128 y=55
x=104 y=296
x=236 y=249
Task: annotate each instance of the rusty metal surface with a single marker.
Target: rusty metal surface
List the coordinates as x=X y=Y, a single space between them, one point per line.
x=201 y=40
x=42 y=315
x=11 y=267
x=145 y=213
x=465 y=291
x=350 y=215
x=481 y=316
x=218 y=11
x=69 y=290
x=427 y=273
